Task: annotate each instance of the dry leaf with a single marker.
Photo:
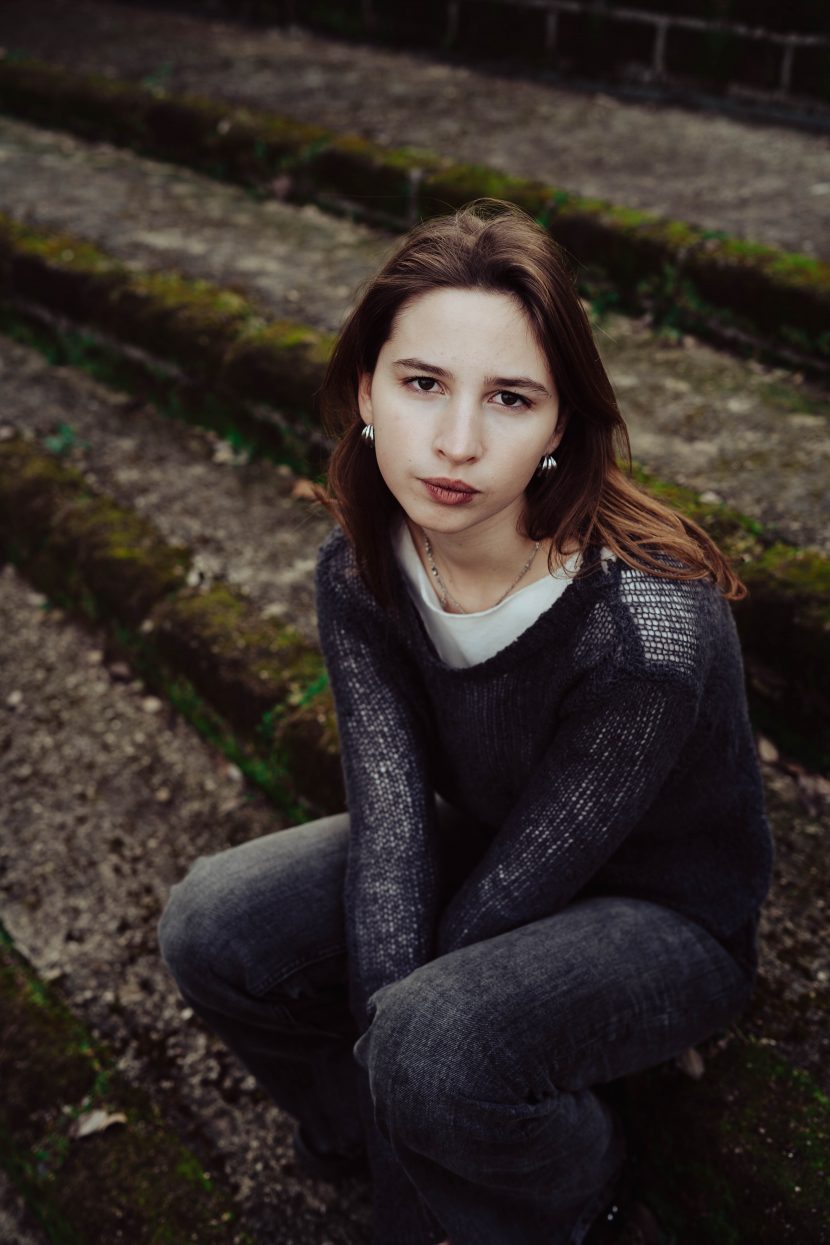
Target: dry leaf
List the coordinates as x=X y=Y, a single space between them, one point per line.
x=96 y=1121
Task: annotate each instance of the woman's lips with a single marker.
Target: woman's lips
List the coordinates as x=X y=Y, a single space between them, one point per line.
x=450 y=492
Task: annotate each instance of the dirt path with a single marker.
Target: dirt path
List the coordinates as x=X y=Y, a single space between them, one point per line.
x=764 y=182
x=755 y=437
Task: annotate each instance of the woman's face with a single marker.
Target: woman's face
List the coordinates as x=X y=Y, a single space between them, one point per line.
x=463 y=406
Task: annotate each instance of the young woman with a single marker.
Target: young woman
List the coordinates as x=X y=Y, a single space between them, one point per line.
x=555 y=852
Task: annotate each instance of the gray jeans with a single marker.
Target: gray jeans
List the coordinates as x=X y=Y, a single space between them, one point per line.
x=510 y=1136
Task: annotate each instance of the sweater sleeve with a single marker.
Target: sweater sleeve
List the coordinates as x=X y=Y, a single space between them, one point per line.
x=613 y=748
x=392 y=873
x=392 y=870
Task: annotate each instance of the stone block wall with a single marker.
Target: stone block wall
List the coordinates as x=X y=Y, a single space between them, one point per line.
x=756 y=53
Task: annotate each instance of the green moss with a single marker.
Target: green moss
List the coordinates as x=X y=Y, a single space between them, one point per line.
x=201 y=406
x=457 y=184
x=803 y=573
x=255 y=753
x=725 y=288
x=741 y=1155
x=105 y=558
x=60 y=249
x=195 y=296
x=789 y=267
x=227 y=622
x=738 y=535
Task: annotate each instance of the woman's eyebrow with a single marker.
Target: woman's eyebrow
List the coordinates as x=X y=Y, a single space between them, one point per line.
x=509 y=382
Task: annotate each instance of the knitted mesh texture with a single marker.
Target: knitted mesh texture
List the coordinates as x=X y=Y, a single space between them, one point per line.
x=606 y=750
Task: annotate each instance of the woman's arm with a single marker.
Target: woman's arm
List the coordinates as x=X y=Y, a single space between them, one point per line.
x=609 y=757
x=392 y=877
x=392 y=874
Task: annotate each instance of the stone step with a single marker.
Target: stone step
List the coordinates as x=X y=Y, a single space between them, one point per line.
x=144 y=798
x=715 y=172
x=224 y=340
x=754 y=299
x=758 y=437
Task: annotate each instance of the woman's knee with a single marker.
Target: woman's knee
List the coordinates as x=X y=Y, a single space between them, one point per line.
x=244 y=918
x=193 y=925
x=424 y=1055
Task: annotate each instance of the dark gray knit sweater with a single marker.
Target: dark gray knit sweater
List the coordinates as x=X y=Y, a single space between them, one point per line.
x=606 y=750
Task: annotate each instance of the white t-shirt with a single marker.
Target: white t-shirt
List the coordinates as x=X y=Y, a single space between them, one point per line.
x=466 y=639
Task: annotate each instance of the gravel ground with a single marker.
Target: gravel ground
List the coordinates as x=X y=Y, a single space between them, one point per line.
x=17 y=1225
x=756 y=437
x=244 y=527
x=764 y=182
x=109 y=797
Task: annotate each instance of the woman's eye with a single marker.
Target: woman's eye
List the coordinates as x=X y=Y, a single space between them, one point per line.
x=518 y=400
x=422 y=380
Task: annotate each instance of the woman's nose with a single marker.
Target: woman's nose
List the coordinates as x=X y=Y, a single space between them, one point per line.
x=458 y=436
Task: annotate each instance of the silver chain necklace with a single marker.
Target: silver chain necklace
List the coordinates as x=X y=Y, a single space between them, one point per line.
x=445 y=595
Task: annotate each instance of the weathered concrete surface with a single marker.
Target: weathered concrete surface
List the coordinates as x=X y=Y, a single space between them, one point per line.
x=759 y=438
x=112 y=799
x=18 y=1225
x=244 y=527
x=236 y=516
x=109 y=796
x=766 y=183
x=300 y=262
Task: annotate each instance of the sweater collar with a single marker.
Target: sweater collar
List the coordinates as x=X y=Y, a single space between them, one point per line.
x=552 y=625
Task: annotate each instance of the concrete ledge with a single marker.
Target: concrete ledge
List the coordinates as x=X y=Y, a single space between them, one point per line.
x=784 y=623
x=746 y=296
x=131 y=1182
x=213 y=335
x=254 y=684
x=243 y=359
x=705 y=1166
x=120 y=365
x=106 y=559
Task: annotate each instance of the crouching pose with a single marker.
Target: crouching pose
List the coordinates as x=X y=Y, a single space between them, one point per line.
x=555 y=850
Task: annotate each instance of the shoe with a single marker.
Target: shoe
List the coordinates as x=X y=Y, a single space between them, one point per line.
x=333 y=1166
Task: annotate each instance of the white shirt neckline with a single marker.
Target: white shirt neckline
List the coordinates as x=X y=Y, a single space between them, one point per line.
x=467 y=639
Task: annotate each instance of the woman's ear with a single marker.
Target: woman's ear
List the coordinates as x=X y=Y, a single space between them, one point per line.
x=364 y=397
x=559 y=431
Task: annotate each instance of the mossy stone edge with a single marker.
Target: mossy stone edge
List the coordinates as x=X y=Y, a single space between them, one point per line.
x=732 y=290
x=259 y=672
x=225 y=341
x=133 y=1181
x=741 y=1155
x=262 y=679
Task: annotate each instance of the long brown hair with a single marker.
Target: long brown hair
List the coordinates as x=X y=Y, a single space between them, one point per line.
x=490 y=244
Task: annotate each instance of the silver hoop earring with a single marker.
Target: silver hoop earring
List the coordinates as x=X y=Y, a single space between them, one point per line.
x=368 y=434
x=547 y=463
